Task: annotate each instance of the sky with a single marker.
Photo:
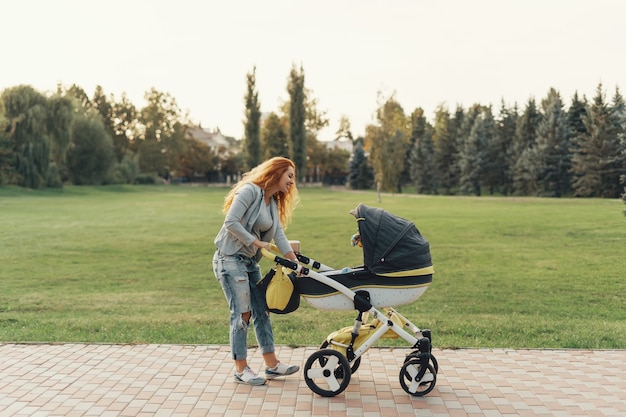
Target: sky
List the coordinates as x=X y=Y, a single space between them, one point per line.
x=354 y=53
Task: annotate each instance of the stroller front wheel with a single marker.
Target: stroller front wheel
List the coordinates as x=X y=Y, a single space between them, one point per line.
x=327 y=372
x=417 y=379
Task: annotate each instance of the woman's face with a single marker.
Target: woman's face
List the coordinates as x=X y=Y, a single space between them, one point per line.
x=287 y=180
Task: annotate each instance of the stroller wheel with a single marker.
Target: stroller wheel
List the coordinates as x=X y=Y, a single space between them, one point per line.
x=433 y=360
x=415 y=384
x=327 y=372
x=354 y=366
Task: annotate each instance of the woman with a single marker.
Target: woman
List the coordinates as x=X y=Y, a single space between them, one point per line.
x=256 y=210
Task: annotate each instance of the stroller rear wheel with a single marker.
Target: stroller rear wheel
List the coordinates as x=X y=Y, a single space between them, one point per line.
x=327 y=372
x=415 y=384
x=354 y=366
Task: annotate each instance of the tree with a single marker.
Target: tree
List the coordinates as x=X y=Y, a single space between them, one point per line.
x=7 y=162
x=297 y=119
x=164 y=128
x=505 y=136
x=445 y=149
x=198 y=158
x=494 y=162
x=343 y=131
x=361 y=175
x=551 y=159
x=387 y=143
x=61 y=113
x=252 y=123
x=422 y=155
x=522 y=150
x=274 y=138
x=91 y=156
x=125 y=133
x=27 y=112
x=597 y=162
x=474 y=153
x=335 y=168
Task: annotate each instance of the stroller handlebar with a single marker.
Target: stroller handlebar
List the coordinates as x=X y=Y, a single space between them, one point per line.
x=284 y=261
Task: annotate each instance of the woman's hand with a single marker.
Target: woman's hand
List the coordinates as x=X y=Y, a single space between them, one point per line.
x=263 y=245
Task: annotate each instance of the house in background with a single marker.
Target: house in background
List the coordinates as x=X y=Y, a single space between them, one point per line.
x=214 y=139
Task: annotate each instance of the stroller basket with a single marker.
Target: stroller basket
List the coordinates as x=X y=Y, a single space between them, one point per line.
x=389 y=290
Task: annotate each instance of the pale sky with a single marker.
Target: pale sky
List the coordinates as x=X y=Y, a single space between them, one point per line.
x=427 y=53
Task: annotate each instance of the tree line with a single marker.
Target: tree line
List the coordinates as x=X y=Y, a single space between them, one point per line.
x=543 y=149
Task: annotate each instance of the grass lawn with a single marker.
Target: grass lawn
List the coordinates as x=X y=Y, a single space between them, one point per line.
x=126 y=264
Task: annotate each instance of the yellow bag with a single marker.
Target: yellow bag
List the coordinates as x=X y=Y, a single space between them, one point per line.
x=281 y=290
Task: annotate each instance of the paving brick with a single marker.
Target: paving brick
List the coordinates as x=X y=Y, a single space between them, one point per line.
x=173 y=380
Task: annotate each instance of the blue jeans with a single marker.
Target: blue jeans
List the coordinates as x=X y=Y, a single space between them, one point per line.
x=238 y=276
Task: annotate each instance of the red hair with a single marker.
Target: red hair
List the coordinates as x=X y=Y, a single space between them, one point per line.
x=266 y=176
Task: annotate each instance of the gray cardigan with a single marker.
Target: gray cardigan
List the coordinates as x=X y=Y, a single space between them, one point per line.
x=239 y=232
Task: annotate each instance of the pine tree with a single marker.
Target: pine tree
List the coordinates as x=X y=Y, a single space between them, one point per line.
x=551 y=157
x=505 y=131
x=473 y=156
x=619 y=110
x=445 y=148
x=360 y=175
x=252 y=124
x=522 y=150
x=422 y=155
x=494 y=163
x=597 y=162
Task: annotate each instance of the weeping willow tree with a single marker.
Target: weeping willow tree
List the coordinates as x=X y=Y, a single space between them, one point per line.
x=27 y=114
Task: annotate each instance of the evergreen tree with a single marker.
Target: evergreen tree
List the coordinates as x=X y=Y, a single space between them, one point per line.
x=252 y=133
x=297 y=120
x=522 y=150
x=473 y=156
x=422 y=155
x=597 y=162
x=619 y=109
x=361 y=175
x=551 y=159
x=445 y=149
x=576 y=127
x=505 y=131
x=494 y=163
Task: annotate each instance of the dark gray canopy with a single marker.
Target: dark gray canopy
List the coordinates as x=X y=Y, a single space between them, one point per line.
x=390 y=243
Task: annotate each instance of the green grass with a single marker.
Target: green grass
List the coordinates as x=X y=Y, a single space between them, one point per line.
x=133 y=265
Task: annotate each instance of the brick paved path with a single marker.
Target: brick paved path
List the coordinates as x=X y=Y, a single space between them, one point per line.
x=179 y=380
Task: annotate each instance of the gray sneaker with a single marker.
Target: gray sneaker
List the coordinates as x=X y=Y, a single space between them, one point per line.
x=281 y=370
x=248 y=376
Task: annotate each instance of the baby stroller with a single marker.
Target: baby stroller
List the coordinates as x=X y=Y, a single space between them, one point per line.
x=397 y=270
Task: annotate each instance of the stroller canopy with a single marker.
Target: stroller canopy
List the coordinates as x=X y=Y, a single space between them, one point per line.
x=390 y=243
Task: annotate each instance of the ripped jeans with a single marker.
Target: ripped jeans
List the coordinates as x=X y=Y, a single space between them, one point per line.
x=238 y=276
